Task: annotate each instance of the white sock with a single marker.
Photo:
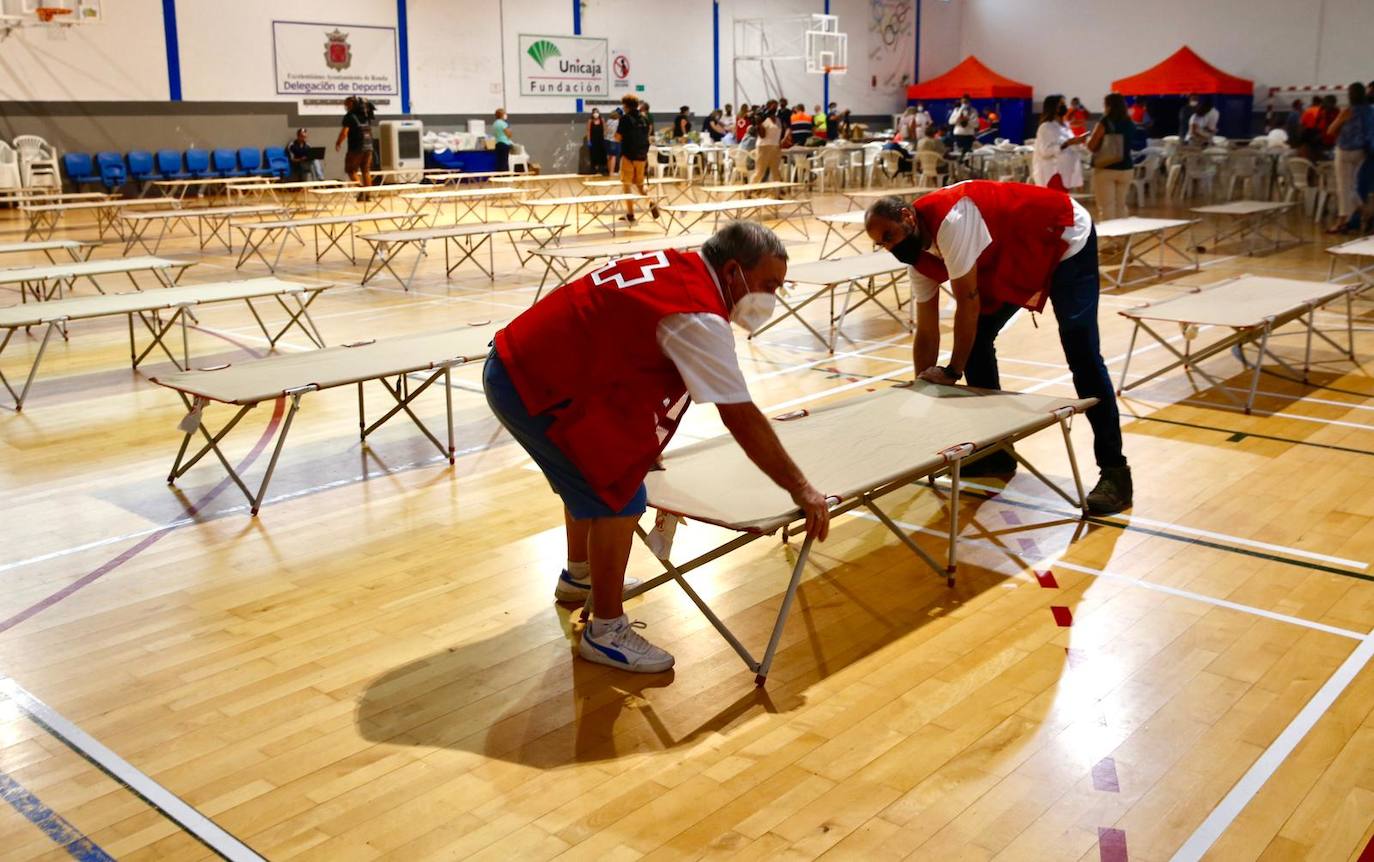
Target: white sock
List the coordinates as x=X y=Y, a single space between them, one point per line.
x=580 y=571
x=601 y=627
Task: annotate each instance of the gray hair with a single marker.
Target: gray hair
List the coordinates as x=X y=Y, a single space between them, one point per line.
x=743 y=242
x=889 y=207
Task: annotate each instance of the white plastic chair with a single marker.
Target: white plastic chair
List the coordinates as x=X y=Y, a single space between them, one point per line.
x=1199 y=174
x=1243 y=172
x=890 y=161
x=1144 y=176
x=928 y=170
x=37 y=162
x=9 y=168
x=519 y=158
x=1298 y=175
x=826 y=165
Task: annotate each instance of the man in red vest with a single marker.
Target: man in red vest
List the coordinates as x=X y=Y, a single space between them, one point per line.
x=592 y=381
x=1004 y=247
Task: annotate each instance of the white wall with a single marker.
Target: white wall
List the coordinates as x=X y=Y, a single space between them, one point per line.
x=122 y=59
x=455 y=65
x=1272 y=42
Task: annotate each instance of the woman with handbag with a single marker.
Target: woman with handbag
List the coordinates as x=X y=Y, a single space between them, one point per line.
x=1112 y=168
x=1055 y=163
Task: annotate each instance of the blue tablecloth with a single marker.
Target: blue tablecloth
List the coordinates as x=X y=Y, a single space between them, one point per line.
x=471 y=161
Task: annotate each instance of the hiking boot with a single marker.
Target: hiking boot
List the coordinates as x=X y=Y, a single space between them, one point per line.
x=998 y=465
x=1114 y=492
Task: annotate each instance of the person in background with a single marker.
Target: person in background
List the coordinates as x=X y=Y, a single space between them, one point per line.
x=714 y=126
x=923 y=121
x=1055 y=165
x=742 y=124
x=1112 y=179
x=818 y=123
x=801 y=126
x=963 y=121
x=1202 y=127
x=500 y=132
x=633 y=135
x=841 y=128
x=930 y=143
x=357 y=131
x=596 y=141
x=906 y=125
x=784 y=112
x=1353 y=131
x=682 y=124
x=727 y=119
x=302 y=166
x=1328 y=115
x=768 y=151
x=1185 y=115
x=648 y=116
x=1292 y=124
x=1077 y=117
x=832 y=120
x=612 y=142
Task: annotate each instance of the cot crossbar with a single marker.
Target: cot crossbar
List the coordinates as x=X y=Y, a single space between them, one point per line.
x=1138 y=245
x=869 y=288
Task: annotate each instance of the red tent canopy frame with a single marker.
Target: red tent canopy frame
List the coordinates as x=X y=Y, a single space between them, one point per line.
x=1183 y=72
x=973 y=78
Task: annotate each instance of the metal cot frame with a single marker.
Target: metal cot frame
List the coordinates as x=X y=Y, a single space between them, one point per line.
x=466 y=240
x=1351 y=254
x=1249 y=220
x=795 y=213
x=259 y=234
x=44 y=218
x=218 y=219
x=587 y=210
x=870 y=287
x=1160 y=237
x=45 y=283
x=833 y=228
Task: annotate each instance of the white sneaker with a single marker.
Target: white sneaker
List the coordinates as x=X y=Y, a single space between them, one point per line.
x=622 y=647
x=570 y=589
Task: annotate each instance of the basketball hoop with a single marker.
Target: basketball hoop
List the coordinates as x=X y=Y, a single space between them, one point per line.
x=836 y=70
x=47 y=13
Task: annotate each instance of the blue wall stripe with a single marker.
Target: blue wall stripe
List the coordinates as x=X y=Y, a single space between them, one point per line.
x=403 y=37
x=916 y=72
x=715 y=53
x=577 y=31
x=53 y=825
x=169 y=30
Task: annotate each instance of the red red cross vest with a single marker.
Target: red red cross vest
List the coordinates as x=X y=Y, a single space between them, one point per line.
x=1027 y=227
x=589 y=353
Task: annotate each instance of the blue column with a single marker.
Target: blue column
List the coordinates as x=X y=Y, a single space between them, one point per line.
x=715 y=53
x=916 y=73
x=825 y=91
x=403 y=37
x=169 y=30
x=577 y=31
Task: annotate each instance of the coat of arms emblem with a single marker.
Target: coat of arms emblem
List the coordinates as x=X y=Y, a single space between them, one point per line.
x=338 y=55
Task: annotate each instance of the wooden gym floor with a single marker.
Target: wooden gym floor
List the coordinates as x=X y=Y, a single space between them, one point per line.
x=374 y=668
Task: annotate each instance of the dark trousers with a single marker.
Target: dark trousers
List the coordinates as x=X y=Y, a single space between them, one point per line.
x=963 y=143
x=502 y=157
x=1073 y=293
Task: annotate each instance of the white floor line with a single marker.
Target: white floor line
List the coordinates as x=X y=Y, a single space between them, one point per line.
x=1273 y=757
x=1054 y=561
x=1054 y=506
x=171 y=805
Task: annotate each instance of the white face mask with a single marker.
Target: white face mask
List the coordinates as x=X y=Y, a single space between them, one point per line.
x=752 y=310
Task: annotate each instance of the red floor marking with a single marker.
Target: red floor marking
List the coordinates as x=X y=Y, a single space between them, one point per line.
x=1368 y=854
x=1028 y=546
x=1011 y=518
x=109 y=566
x=1046 y=580
x=1104 y=776
x=1063 y=617
x=1111 y=844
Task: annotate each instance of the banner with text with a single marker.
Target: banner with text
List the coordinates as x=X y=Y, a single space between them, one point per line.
x=574 y=66
x=325 y=59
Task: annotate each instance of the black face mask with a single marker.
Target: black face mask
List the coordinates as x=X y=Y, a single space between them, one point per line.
x=908 y=251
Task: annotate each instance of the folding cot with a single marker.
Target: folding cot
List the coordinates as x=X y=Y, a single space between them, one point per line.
x=1143 y=235
x=42 y=195
x=864 y=197
x=1252 y=308
x=1358 y=257
x=337 y=198
x=848 y=230
x=44 y=218
x=334 y=227
x=249 y=384
x=149 y=307
x=216 y=219
x=730 y=191
x=559 y=259
x=587 y=210
x=466 y=240
x=180 y=187
x=858 y=451
x=76 y=250
x=661 y=189
x=1248 y=219
x=469 y=199
x=688 y=216
x=536 y=185
x=867 y=274
x=55 y=279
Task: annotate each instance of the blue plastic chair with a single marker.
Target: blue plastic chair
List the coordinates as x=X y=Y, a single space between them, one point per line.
x=277 y=162
x=141 y=166
x=198 y=164
x=226 y=164
x=80 y=169
x=169 y=165
x=112 y=170
x=251 y=162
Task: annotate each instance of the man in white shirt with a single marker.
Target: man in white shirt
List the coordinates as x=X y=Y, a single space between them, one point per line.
x=963 y=121
x=947 y=234
x=593 y=396
x=1202 y=125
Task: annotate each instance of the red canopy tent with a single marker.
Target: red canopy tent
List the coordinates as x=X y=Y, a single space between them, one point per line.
x=971 y=77
x=1183 y=72
x=988 y=90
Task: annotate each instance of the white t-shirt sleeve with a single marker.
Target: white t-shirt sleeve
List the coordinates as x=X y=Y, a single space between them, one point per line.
x=703 y=349
x=923 y=288
x=962 y=237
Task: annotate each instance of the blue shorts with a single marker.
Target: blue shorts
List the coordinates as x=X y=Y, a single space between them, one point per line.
x=531 y=432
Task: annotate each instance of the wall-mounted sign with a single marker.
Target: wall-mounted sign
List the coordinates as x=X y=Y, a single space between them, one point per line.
x=576 y=66
x=620 y=70
x=327 y=59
